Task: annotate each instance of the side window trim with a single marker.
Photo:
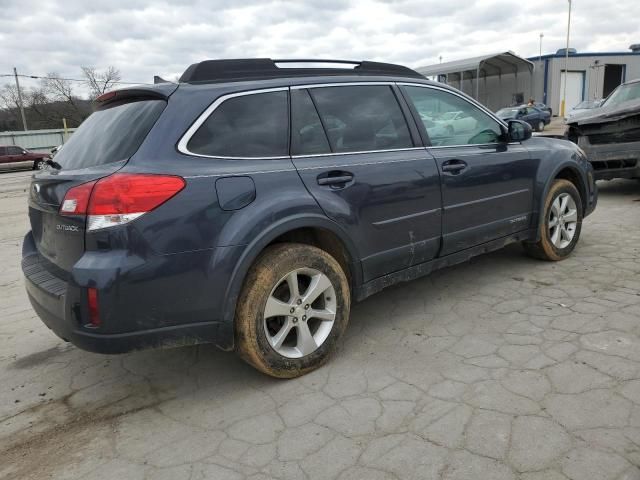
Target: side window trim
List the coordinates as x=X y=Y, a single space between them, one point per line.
x=423 y=130
x=204 y=116
x=402 y=100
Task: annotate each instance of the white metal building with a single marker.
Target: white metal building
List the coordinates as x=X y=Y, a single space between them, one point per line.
x=496 y=80
x=503 y=79
x=590 y=75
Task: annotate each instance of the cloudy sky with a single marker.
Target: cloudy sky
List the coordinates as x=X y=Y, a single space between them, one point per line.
x=146 y=37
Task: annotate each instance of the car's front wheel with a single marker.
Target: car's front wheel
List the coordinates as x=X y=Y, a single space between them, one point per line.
x=292 y=311
x=561 y=223
x=39 y=164
x=540 y=126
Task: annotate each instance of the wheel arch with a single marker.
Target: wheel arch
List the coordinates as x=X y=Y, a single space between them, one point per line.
x=312 y=229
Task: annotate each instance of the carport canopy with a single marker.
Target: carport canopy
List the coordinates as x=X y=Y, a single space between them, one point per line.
x=495 y=64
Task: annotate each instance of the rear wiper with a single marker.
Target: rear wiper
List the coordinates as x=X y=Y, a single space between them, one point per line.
x=52 y=163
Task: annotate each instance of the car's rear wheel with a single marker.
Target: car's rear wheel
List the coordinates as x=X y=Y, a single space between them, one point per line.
x=292 y=311
x=561 y=225
x=540 y=126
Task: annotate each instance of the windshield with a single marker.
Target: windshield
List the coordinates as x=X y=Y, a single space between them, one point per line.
x=623 y=93
x=110 y=135
x=507 y=112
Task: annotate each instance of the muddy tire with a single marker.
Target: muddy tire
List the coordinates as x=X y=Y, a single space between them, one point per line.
x=292 y=311
x=561 y=223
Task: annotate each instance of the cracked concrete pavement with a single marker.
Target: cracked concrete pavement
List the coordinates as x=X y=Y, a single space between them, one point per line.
x=502 y=368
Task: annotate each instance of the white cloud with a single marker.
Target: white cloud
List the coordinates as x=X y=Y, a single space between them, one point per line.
x=145 y=37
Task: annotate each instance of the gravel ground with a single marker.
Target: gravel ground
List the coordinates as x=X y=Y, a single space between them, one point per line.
x=501 y=368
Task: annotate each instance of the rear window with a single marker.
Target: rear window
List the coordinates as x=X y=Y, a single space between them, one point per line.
x=110 y=135
x=254 y=125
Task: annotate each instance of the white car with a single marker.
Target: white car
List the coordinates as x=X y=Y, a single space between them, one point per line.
x=456 y=122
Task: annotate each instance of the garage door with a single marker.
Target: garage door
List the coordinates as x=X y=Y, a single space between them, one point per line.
x=575 y=90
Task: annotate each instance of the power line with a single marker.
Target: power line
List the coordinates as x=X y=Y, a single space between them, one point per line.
x=43 y=77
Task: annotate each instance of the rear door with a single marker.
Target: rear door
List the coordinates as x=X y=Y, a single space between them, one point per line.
x=487 y=184
x=4 y=156
x=531 y=116
x=355 y=152
x=101 y=145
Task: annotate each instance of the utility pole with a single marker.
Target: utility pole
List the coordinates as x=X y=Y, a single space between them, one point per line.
x=540 y=56
x=24 y=119
x=566 y=65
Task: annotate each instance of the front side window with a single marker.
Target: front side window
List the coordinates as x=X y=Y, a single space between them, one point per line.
x=254 y=125
x=451 y=120
x=361 y=118
x=15 y=151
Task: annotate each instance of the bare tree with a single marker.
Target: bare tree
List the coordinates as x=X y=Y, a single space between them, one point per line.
x=9 y=97
x=100 y=82
x=60 y=90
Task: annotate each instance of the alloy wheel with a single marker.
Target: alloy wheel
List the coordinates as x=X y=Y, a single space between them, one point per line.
x=563 y=220
x=300 y=312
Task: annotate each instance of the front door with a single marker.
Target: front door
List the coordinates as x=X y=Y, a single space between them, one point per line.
x=354 y=151
x=487 y=184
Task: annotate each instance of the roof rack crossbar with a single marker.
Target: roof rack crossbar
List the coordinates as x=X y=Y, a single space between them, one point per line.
x=253 y=68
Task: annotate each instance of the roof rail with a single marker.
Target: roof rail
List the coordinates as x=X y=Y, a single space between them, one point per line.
x=254 y=68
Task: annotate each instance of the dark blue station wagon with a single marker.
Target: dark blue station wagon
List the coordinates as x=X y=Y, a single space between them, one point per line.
x=250 y=204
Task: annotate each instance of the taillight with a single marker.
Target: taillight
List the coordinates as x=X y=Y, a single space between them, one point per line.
x=120 y=198
x=76 y=200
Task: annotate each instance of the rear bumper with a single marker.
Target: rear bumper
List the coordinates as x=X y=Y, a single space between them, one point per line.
x=134 y=306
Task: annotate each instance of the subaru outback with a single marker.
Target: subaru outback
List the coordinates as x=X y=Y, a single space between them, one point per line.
x=251 y=203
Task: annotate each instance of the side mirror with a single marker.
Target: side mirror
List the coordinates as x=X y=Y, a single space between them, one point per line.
x=519 y=131
x=24 y=152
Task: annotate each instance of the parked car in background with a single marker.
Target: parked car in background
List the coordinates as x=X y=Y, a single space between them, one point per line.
x=583 y=107
x=535 y=117
x=455 y=122
x=249 y=205
x=14 y=154
x=544 y=107
x=610 y=133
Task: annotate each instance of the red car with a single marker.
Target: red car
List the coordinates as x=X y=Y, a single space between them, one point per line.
x=13 y=153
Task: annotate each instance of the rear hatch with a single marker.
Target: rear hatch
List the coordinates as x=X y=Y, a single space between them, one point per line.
x=102 y=145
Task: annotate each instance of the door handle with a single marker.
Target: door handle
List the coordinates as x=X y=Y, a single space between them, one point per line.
x=335 y=179
x=454 y=166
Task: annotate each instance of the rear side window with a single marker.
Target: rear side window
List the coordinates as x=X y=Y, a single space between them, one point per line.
x=110 y=135
x=307 y=133
x=362 y=118
x=254 y=125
